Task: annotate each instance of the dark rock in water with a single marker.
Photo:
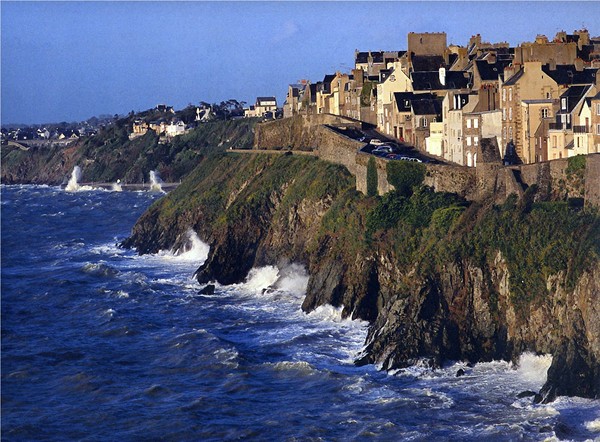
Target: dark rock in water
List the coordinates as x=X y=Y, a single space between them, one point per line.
x=460 y=373
x=526 y=393
x=545 y=429
x=574 y=372
x=208 y=290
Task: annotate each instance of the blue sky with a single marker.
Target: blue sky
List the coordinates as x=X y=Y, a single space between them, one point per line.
x=68 y=61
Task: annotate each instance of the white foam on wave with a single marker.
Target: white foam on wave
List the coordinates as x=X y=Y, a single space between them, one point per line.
x=194 y=250
x=593 y=426
x=73 y=184
x=533 y=369
x=155 y=182
x=261 y=278
x=302 y=367
x=116 y=187
x=291 y=279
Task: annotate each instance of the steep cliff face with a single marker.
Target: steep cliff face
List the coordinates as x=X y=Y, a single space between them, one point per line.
x=439 y=279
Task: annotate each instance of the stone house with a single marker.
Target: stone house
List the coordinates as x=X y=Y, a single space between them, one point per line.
x=393 y=81
x=563 y=142
x=424 y=111
x=534 y=81
x=535 y=115
x=294 y=99
x=264 y=105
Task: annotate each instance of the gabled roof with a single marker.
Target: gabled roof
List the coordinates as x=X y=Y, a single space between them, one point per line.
x=261 y=99
x=427 y=62
x=567 y=74
x=491 y=71
x=430 y=80
x=403 y=99
x=513 y=80
x=573 y=95
x=427 y=107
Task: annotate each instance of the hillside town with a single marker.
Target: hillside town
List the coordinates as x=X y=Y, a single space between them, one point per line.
x=540 y=100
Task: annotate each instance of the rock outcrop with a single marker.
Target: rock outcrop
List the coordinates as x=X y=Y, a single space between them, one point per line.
x=445 y=285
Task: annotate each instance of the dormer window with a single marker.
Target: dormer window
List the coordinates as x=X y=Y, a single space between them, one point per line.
x=563 y=103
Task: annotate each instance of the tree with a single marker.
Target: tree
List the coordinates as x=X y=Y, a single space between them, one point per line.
x=372 y=177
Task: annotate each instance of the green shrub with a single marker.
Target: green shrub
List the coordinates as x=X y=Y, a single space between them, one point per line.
x=372 y=177
x=404 y=175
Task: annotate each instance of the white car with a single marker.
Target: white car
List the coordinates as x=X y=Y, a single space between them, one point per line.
x=376 y=142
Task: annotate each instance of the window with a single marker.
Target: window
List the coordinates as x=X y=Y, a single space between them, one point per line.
x=510 y=133
x=598 y=109
x=510 y=113
x=468 y=123
x=504 y=133
x=598 y=129
x=475 y=123
x=423 y=122
x=563 y=103
x=503 y=114
x=554 y=141
x=545 y=113
x=468 y=141
x=476 y=141
x=548 y=95
x=510 y=94
x=503 y=94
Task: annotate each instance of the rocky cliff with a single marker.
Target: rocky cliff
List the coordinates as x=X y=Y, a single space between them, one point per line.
x=439 y=278
x=111 y=155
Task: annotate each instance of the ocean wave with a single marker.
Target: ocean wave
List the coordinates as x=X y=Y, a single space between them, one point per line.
x=99 y=269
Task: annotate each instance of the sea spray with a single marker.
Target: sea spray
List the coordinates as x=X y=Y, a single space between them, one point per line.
x=155 y=182
x=261 y=278
x=194 y=249
x=73 y=184
x=116 y=187
x=293 y=278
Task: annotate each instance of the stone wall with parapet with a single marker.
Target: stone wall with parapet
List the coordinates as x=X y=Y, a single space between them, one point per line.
x=300 y=132
x=337 y=148
x=487 y=180
x=550 y=176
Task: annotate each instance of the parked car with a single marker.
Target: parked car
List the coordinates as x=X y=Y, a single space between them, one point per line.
x=383 y=149
x=376 y=142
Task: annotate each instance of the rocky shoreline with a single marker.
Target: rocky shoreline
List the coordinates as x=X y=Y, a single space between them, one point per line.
x=451 y=307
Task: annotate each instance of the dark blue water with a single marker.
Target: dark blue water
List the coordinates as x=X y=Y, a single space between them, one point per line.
x=100 y=344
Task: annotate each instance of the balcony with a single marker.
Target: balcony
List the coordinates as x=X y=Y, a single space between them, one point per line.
x=559 y=126
x=581 y=129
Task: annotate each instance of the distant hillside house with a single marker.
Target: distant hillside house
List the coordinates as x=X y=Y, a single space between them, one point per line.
x=264 y=105
x=175 y=128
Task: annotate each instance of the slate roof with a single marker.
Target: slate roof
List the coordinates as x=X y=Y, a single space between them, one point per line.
x=427 y=107
x=427 y=62
x=430 y=80
x=327 y=83
x=513 y=80
x=490 y=71
x=377 y=57
x=573 y=95
x=261 y=99
x=567 y=74
x=361 y=57
x=403 y=99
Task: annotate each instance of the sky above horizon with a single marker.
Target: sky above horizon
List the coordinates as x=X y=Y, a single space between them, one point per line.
x=68 y=61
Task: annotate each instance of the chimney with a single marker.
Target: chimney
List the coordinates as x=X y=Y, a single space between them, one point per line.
x=442 y=73
x=552 y=64
x=579 y=64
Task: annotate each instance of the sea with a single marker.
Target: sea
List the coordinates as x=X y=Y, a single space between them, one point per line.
x=100 y=344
